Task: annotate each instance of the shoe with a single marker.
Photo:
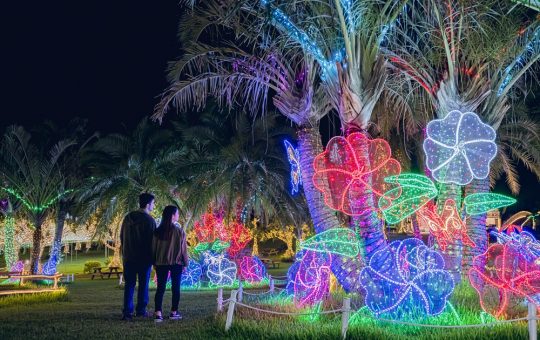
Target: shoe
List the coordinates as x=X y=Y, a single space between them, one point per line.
x=158 y=318
x=127 y=317
x=143 y=315
x=175 y=316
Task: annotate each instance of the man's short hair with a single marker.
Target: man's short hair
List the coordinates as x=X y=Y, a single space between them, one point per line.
x=145 y=199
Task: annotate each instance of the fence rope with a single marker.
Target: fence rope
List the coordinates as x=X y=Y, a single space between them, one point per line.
x=288 y=313
x=453 y=326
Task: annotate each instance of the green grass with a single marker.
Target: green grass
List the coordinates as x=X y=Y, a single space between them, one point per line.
x=93 y=309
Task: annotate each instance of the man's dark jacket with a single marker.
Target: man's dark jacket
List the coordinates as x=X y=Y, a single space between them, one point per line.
x=136 y=236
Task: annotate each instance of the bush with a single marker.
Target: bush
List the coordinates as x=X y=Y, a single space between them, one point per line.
x=90 y=265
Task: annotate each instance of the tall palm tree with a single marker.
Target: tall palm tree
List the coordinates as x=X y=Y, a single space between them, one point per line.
x=34 y=179
x=467 y=56
x=122 y=167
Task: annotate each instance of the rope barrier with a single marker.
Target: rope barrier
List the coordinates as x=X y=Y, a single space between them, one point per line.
x=452 y=326
x=288 y=313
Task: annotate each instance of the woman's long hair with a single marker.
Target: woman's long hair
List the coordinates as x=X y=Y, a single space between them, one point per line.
x=165 y=228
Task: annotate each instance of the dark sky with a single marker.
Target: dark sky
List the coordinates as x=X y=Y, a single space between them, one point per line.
x=101 y=60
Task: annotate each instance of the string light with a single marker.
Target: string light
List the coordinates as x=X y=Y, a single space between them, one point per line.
x=10 y=254
x=221 y=271
x=240 y=237
x=459 y=148
x=294 y=159
x=39 y=207
x=191 y=277
x=311 y=282
x=524 y=242
x=480 y=203
x=414 y=191
x=352 y=168
x=205 y=229
x=339 y=241
x=446 y=227
x=503 y=275
x=252 y=269
x=406 y=278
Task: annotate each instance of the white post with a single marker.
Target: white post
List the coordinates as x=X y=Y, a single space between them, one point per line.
x=532 y=320
x=230 y=311
x=120 y=279
x=240 y=291
x=73 y=277
x=220 y=299
x=271 y=282
x=346 y=310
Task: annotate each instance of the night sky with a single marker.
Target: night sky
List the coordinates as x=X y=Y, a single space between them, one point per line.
x=101 y=60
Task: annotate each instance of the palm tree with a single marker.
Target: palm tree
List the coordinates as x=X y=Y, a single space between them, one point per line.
x=122 y=167
x=468 y=56
x=33 y=179
x=10 y=252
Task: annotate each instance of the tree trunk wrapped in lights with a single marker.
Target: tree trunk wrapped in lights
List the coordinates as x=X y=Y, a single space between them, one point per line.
x=36 y=248
x=476 y=225
x=453 y=252
x=10 y=253
x=49 y=268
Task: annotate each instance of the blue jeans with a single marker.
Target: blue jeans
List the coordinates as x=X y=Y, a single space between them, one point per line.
x=132 y=272
x=162 y=273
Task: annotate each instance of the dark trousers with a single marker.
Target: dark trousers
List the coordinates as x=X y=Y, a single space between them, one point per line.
x=132 y=272
x=162 y=273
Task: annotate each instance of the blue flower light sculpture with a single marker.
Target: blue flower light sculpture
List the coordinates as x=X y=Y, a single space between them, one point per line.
x=221 y=271
x=192 y=276
x=459 y=148
x=406 y=279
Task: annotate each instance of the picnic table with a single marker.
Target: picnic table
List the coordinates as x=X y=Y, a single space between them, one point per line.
x=99 y=271
x=270 y=262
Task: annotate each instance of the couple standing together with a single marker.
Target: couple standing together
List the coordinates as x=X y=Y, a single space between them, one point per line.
x=143 y=245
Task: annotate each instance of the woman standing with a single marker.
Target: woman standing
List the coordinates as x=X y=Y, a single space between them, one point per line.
x=170 y=256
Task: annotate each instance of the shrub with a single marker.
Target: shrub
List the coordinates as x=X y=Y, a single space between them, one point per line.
x=90 y=265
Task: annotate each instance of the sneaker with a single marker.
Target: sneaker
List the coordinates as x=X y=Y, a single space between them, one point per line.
x=127 y=317
x=175 y=316
x=158 y=318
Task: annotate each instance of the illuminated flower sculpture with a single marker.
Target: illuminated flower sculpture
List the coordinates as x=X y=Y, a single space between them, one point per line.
x=239 y=238
x=504 y=277
x=252 y=269
x=446 y=227
x=221 y=271
x=351 y=167
x=312 y=279
x=192 y=275
x=459 y=148
x=406 y=278
x=524 y=241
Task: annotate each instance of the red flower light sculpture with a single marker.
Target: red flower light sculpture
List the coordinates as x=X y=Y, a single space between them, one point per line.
x=239 y=237
x=446 y=227
x=205 y=229
x=351 y=167
x=503 y=276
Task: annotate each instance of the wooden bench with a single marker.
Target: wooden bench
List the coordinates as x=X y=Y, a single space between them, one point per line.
x=54 y=278
x=270 y=262
x=99 y=271
x=270 y=252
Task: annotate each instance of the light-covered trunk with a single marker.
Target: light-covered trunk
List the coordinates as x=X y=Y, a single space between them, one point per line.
x=10 y=253
x=49 y=268
x=36 y=248
x=476 y=225
x=346 y=270
x=453 y=252
x=416 y=227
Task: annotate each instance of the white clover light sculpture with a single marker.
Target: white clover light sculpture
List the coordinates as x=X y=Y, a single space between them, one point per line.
x=459 y=148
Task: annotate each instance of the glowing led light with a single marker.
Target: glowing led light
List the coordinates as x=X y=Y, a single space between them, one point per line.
x=252 y=269
x=191 y=277
x=341 y=241
x=483 y=202
x=294 y=159
x=446 y=227
x=406 y=278
x=240 y=237
x=416 y=191
x=205 y=229
x=311 y=282
x=217 y=246
x=352 y=168
x=502 y=276
x=36 y=208
x=459 y=148
x=221 y=271
x=524 y=242
x=10 y=254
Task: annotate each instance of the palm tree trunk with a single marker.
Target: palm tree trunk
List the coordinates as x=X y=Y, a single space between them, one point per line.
x=10 y=253
x=36 y=247
x=476 y=225
x=453 y=252
x=54 y=255
x=416 y=227
x=346 y=270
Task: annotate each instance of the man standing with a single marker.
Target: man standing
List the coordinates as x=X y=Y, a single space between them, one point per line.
x=136 y=246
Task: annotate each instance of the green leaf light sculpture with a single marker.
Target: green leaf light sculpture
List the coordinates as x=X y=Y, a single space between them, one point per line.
x=340 y=241
x=476 y=204
x=416 y=191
